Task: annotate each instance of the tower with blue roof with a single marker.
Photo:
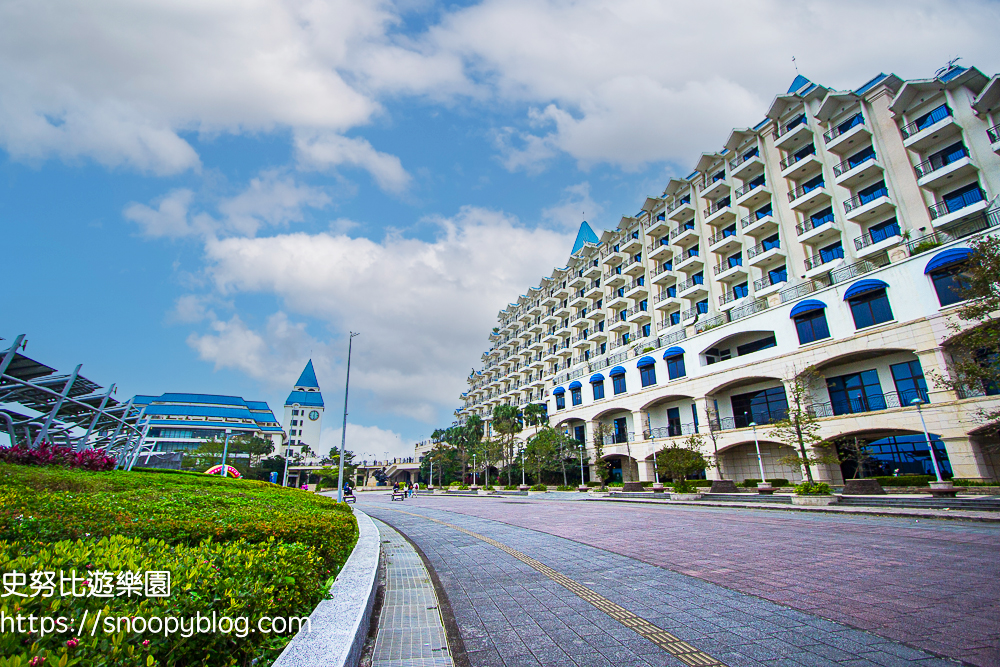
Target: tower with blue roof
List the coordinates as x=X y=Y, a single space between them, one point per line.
x=304 y=414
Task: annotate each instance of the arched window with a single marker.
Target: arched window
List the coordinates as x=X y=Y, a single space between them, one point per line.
x=560 y=395
x=949 y=273
x=576 y=392
x=810 y=321
x=869 y=303
x=674 y=357
x=597 y=384
x=647 y=371
x=618 y=379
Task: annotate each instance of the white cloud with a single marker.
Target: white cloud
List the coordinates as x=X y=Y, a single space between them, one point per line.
x=423 y=308
x=168 y=219
x=575 y=206
x=324 y=150
x=367 y=442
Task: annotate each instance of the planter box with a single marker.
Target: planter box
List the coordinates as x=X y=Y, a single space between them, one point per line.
x=863 y=487
x=536 y=493
x=485 y=492
x=724 y=486
x=633 y=487
x=440 y=491
x=583 y=489
x=685 y=496
x=815 y=501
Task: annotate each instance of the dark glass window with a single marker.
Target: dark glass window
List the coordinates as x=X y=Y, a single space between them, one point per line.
x=762 y=407
x=702 y=306
x=812 y=326
x=672 y=291
x=944 y=157
x=647 y=374
x=560 y=401
x=855 y=392
x=756 y=345
x=729 y=231
x=856 y=119
x=646 y=329
x=860 y=157
x=675 y=367
x=805 y=152
x=735 y=260
x=870 y=308
x=763 y=212
x=823 y=217
x=900 y=454
x=598 y=390
x=772 y=241
x=619 y=384
x=741 y=290
x=909 y=380
x=675 y=318
x=928 y=119
x=949 y=281
x=831 y=252
x=579 y=433
x=674 y=421
x=964 y=196
x=813 y=183
x=778 y=275
x=576 y=396
x=872 y=192
x=884 y=230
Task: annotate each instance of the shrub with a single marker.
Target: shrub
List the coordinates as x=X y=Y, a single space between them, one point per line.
x=490 y=488
x=815 y=489
x=684 y=486
x=565 y=487
x=751 y=483
x=616 y=484
x=646 y=485
x=924 y=246
x=906 y=480
x=539 y=487
x=510 y=487
x=973 y=482
x=47 y=454
x=593 y=484
x=463 y=487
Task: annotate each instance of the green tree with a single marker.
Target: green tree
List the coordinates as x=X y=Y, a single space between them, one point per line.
x=542 y=450
x=536 y=415
x=678 y=461
x=800 y=429
x=601 y=468
x=507 y=424
x=856 y=450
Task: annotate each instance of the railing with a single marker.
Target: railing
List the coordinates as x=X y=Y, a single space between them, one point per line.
x=797 y=156
x=810 y=224
x=724 y=234
x=860 y=200
x=692 y=313
x=819 y=259
x=663 y=295
x=935 y=116
x=604 y=253
x=994 y=134
x=660 y=271
x=858 y=119
x=867 y=265
x=677 y=204
x=956 y=203
x=671 y=431
x=677 y=231
x=792 y=124
x=711 y=323
x=669 y=339
x=580 y=338
x=719 y=268
x=953 y=233
x=747 y=310
x=619 y=438
x=729 y=297
x=762 y=247
x=717 y=206
x=761 y=418
x=638 y=282
x=635 y=311
x=803 y=190
x=737 y=161
x=932 y=165
x=691 y=282
x=753 y=219
x=800 y=290
x=876 y=236
x=768 y=281
x=872 y=403
x=749 y=187
x=848 y=164
x=651 y=248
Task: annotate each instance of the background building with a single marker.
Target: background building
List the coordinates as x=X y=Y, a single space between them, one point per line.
x=825 y=240
x=304 y=415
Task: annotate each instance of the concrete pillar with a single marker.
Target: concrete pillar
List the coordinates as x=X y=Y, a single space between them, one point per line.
x=968 y=458
x=933 y=362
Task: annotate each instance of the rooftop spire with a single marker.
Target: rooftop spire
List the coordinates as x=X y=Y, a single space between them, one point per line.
x=584 y=236
x=308 y=377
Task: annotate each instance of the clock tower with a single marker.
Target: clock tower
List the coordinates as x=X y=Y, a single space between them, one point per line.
x=304 y=415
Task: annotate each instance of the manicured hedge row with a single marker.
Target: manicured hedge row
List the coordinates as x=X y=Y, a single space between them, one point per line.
x=906 y=480
x=776 y=483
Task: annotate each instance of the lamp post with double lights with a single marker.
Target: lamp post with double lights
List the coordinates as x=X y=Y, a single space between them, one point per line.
x=763 y=486
x=941 y=483
x=524 y=484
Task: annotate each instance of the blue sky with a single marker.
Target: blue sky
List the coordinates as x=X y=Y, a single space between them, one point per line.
x=199 y=197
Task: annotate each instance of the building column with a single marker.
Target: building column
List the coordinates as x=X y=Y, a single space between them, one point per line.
x=968 y=459
x=590 y=431
x=932 y=360
x=705 y=430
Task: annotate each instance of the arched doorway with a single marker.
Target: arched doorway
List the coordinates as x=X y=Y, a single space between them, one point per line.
x=880 y=455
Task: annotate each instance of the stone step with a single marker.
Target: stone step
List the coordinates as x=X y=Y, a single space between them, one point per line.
x=984 y=504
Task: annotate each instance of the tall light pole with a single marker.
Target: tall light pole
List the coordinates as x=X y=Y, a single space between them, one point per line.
x=930 y=447
x=225 y=453
x=581 y=464
x=473 y=470
x=523 y=483
x=343 y=433
x=760 y=461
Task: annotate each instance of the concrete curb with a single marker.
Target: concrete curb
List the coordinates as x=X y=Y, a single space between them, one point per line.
x=338 y=626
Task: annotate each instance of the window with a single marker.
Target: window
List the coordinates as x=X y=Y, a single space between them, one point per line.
x=778 y=275
x=729 y=231
x=741 y=290
x=855 y=392
x=870 y=308
x=702 y=306
x=643 y=305
x=698 y=278
x=753 y=152
x=560 y=401
x=719 y=175
x=804 y=153
x=734 y=260
x=674 y=421
x=812 y=184
x=598 y=390
x=604 y=346
x=621 y=430
x=647 y=375
x=772 y=241
x=763 y=212
x=928 y=119
x=831 y=252
x=761 y=407
x=675 y=367
x=861 y=157
x=646 y=330
x=962 y=197
x=949 y=281
x=856 y=119
x=812 y=326
x=757 y=182
x=675 y=318
x=872 y=192
x=672 y=291
x=576 y=396
x=944 y=157
x=884 y=230
x=823 y=217
x=756 y=346
x=909 y=380
x=619 y=384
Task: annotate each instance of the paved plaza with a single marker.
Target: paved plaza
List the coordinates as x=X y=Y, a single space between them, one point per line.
x=547 y=582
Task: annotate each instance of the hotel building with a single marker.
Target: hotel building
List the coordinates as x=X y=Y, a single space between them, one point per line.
x=824 y=242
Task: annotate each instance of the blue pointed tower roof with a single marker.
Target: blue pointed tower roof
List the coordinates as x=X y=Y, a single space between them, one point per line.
x=584 y=236
x=308 y=377
x=798 y=83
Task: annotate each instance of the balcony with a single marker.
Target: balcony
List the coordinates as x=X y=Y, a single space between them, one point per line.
x=612 y=257
x=657 y=226
x=613 y=279
x=593 y=290
x=746 y=164
x=823 y=261
x=577 y=281
x=934 y=172
x=929 y=129
x=765 y=252
x=868 y=403
x=636 y=287
x=688 y=262
x=619 y=326
x=720 y=212
x=794 y=134
x=758 y=226
x=760 y=418
x=802 y=289
x=592 y=271
x=816 y=230
x=798 y=167
x=807 y=196
x=769 y=283
x=958 y=207
x=729 y=299
x=691 y=313
x=683 y=234
x=581 y=320
x=631 y=245
x=666 y=300
x=723 y=241
x=994 y=135
x=726 y=272
x=847 y=136
x=579 y=300
x=657 y=250
x=690 y=287
x=856 y=170
x=638 y=315
x=615 y=300
x=681 y=210
x=876 y=240
x=704 y=324
x=751 y=193
x=716 y=188
x=747 y=309
x=851 y=271
x=868 y=206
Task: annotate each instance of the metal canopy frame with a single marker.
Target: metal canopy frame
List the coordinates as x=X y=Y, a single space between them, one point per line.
x=71 y=409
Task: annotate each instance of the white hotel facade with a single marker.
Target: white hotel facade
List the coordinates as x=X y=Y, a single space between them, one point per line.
x=827 y=238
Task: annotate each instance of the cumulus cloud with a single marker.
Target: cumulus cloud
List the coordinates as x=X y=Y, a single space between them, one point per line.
x=367 y=442
x=423 y=307
x=324 y=150
x=575 y=205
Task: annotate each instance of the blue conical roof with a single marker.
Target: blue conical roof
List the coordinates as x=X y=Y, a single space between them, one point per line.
x=798 y=83
x=584 y=236
x=308 y=377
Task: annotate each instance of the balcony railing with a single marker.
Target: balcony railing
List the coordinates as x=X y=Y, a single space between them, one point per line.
x=953 y=204
x=860 y=200
x=725 y=266
x=935 y=116
x=718 y=206
x=876 y=236
x=748 y=187
x=674 y=233
x=691 y=313
x=691 y=282
x=867 y=265
x=677 y=204
x=953 y=233
x=711 y=323
x=851 y=163
x=760 y=418
x=994 y=134
x=753 y=218
x=800 y=290
x=669 y=339
x=728 y=297
x=635 y=311
x=670 y=431
x=939 y=162
x=768 y=280
x=724 y=234
x=747 y=310
x=619 y=438
x=843 y=127
x=795 y=193
x=665 y=294
x=871 y=403
x=792 y=124
x=735 y=162
x=812 y=223
x=762 y=247
x=819 y=259
x=797 y=156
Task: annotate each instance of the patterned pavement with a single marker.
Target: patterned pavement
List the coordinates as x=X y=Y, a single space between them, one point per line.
x=513 y=613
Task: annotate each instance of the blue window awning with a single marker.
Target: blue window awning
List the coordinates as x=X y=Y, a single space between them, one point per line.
x=646 y=361
x=807 y=306
x=862 y=286
x=946 y=257
x=617 y=370
x=596 y=377
x=558 y=391
x=575 y=384
x=673 y=352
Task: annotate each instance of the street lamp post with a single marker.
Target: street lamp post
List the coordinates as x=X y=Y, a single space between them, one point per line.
x=930 y=447
x=343 y=432
x=581 y=465
x=524 y=485
x=474 y=470
x=764 y=486
x=225 y=453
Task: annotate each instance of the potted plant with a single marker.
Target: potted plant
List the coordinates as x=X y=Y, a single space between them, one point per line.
x=684 y=490
x=814 y=494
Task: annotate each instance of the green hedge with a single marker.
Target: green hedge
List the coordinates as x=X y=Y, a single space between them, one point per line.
x=906 y=480
x=752 y=483
x=565 y=487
